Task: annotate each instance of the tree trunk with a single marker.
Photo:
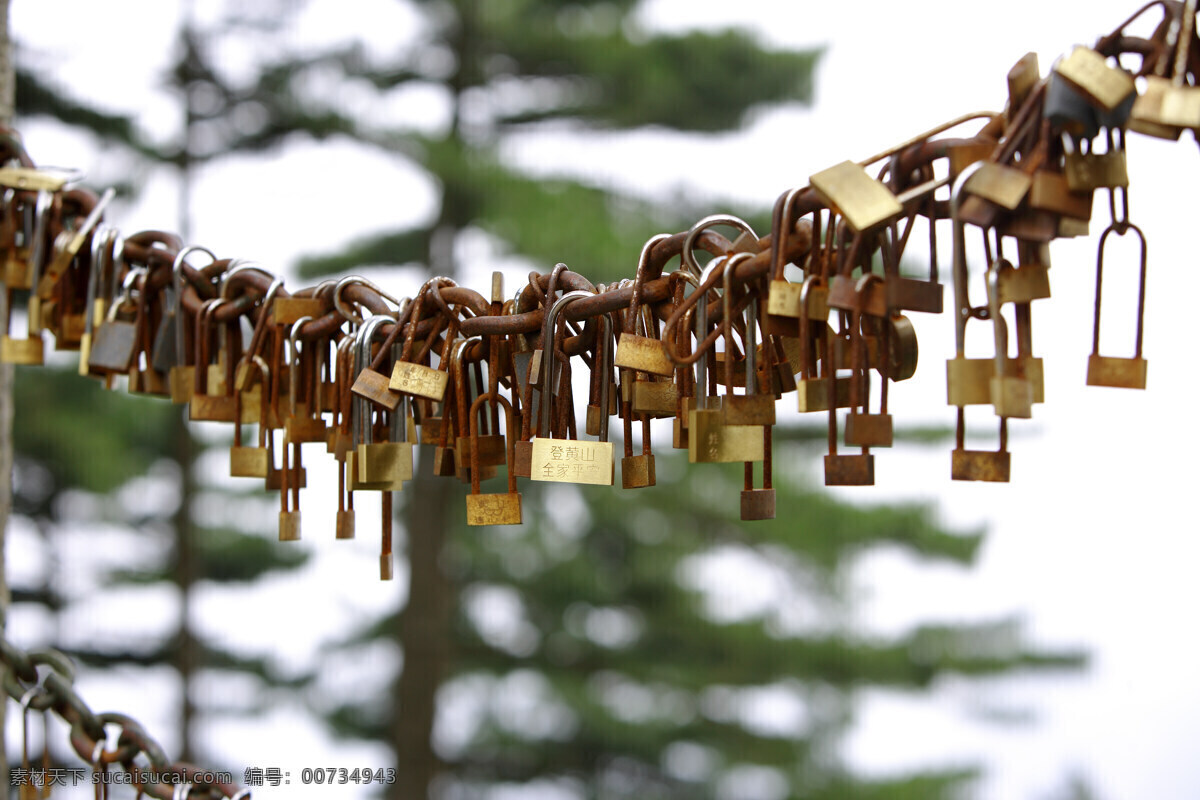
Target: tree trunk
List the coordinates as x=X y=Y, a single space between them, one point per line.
x=8 y=92
x=424 y=634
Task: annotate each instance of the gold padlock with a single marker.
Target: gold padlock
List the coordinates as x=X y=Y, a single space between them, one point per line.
x=1123 y=373
x=492 y=509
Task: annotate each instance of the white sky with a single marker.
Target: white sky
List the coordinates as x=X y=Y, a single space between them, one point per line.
x=1091 y=541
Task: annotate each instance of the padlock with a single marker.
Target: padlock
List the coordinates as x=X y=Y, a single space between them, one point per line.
x=249 y=462
x=1105 y=86
x=1069 y=110
x=751 y=408
x=1124 y=373
x=969 y=380
x=115 y=344
x=1087 y=170
x=1012 y=395
x=209 y=400
x=642 y=353
x=492 y=509
x=416 y=379
x=710 y=440
x=1022 y=285
x=1051 y=192
x=182 y=376
x=1147 y=116
x=303 y=422
x=104 y=244
x=568 y=460
x=864 y=429
x=1000 y=184
x=864 y=202
x=1022 y=79
x=491 y=446
x=380 y=466
x=373 y=385
x=31 y=349
x=289 y=518
x=813 y=389
x=68 y=245
x=783 y=296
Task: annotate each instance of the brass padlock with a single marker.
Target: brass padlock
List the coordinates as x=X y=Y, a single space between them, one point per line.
x=249 y=462
x=1089 y=72
x=1124 y=373
x=209 y=400
x=751 y=408
x=1000 y=184
x=864 y=202
x=492 y=509
x=1147 y=116
x=863 y=428
x=1029 y=282
x=568 y=460
x=1087 y=170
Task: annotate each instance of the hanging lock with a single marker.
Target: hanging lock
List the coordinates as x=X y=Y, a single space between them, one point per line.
x=1123 y=373
x=567 y=460
x=493 y=509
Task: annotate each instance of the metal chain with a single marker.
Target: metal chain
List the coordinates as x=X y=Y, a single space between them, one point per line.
x=42 y=680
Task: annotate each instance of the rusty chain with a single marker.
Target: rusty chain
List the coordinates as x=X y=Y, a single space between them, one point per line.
x=42 y=680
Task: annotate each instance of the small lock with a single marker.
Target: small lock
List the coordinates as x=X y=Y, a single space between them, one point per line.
x=679 y=435
x=274 y=480
x=1105 y=86
x=868 y=430
x=637 y=472
x=851 y=470
x=758 y=504
x=492 y=509
x=345 y=524
x=22 y=351
x=289 y=526
x=419 y=380
x=1012 y=397
x=748 y=409
x=1023 y=284
x=980 y=465
x=643 y=354
x=376 y=388
x=443 y=461
x=248 y=462
x=182 y=380
x=813 y=394
x=1117 y=373
x=864 y=202
x=659 y=399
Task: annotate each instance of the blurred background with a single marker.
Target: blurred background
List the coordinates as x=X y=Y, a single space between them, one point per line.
x=920 y=638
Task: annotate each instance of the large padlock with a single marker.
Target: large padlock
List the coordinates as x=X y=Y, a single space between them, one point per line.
x=492 y=509
x=568 y=460
x=1124 y=373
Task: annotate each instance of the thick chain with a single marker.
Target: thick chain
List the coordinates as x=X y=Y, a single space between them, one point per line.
x=42 y=680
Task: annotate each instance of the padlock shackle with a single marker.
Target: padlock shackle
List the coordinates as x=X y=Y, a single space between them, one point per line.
x=294 y=353
x=962 y=301
x=639 y=281
x=1120 y=230
x=340 y=305
x=688 y=254
x=177 y=281
x=102 y=244
x=361 y=407
x=728 y=327
x=999 y=325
